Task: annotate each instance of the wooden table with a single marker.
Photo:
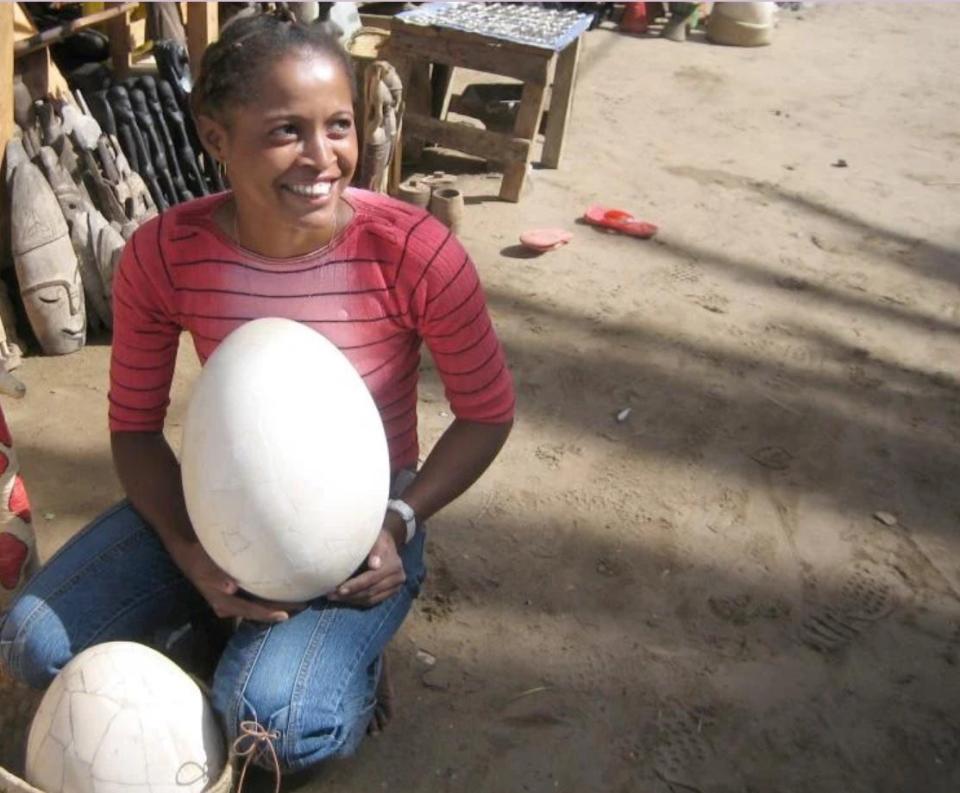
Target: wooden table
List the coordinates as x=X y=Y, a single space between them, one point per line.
x=413 y=47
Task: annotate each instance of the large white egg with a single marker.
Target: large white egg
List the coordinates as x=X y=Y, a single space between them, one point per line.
x=284 y=461
x=122 y=717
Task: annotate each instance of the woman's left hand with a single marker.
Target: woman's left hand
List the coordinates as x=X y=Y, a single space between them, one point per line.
x=382 y=579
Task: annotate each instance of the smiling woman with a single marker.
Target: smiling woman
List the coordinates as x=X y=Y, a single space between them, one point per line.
x=274 y=105
x=378 y=278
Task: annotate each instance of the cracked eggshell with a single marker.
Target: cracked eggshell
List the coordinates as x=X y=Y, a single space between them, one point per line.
x=284 y=461
x=121 y=716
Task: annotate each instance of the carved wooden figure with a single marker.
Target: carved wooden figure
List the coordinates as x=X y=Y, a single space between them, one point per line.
x=148 y=85
x=151 y=136
x=47 y=269
x=185 y=153
x=133 y=144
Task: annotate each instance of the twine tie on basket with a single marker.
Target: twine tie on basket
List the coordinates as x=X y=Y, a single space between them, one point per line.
x=251 y=741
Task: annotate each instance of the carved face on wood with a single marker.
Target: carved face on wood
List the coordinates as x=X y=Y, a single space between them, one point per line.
x=56 y=312
x=47 y=268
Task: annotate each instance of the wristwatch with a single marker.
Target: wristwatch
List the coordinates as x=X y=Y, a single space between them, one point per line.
x=405 y=511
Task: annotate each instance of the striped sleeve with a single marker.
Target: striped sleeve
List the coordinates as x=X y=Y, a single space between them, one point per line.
x=450 y=309
x=145 y=335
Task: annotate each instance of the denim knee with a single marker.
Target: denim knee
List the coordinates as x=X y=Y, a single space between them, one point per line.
x=306 y=742
x=32 y=648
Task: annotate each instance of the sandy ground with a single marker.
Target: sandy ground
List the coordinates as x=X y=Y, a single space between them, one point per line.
x=700 y=597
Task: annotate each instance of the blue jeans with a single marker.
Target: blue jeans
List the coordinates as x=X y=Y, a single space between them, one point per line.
x=312 y=679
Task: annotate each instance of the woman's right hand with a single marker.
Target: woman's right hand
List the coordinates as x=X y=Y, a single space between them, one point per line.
x=220 y=590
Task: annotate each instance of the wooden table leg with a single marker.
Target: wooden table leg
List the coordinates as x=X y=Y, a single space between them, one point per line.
x=418 y=92
x=440 y=79
x=203 y=28
x=561 y=104
x=527 y=123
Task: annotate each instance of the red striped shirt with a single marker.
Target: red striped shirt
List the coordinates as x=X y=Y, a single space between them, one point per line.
x=393 y=278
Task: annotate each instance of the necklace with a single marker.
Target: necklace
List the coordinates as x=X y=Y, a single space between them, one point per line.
x=236 y=226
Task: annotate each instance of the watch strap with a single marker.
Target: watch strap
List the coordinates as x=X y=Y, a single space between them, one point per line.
x=405 y=511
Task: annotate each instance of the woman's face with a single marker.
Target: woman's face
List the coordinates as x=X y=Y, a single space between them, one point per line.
x=291 y=150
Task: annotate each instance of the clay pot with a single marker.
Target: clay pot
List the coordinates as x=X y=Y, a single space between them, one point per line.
x=446 y=204
x=742 y=24
x=414 y=192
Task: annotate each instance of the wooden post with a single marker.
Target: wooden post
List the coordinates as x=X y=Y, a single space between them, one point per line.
x=118 y=29
x=527 y=123
x=561 y=103
x=6 y=70
x=203 y=28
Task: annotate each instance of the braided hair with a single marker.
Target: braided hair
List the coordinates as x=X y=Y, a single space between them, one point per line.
x=248 y=43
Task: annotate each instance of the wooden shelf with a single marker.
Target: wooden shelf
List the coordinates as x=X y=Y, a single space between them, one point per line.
x=60 y=32
x=25 y=48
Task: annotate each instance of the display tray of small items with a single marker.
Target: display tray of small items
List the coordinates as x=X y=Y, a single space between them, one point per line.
x=529 y=24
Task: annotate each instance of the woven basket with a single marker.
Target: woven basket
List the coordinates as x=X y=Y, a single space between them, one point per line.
x=18 y=703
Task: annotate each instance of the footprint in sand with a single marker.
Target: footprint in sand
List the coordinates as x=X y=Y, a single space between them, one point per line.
x=682 y=751
x=868 y=594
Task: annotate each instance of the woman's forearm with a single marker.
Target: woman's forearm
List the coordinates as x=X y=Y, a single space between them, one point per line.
x=457 y=460
x=150 y=475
